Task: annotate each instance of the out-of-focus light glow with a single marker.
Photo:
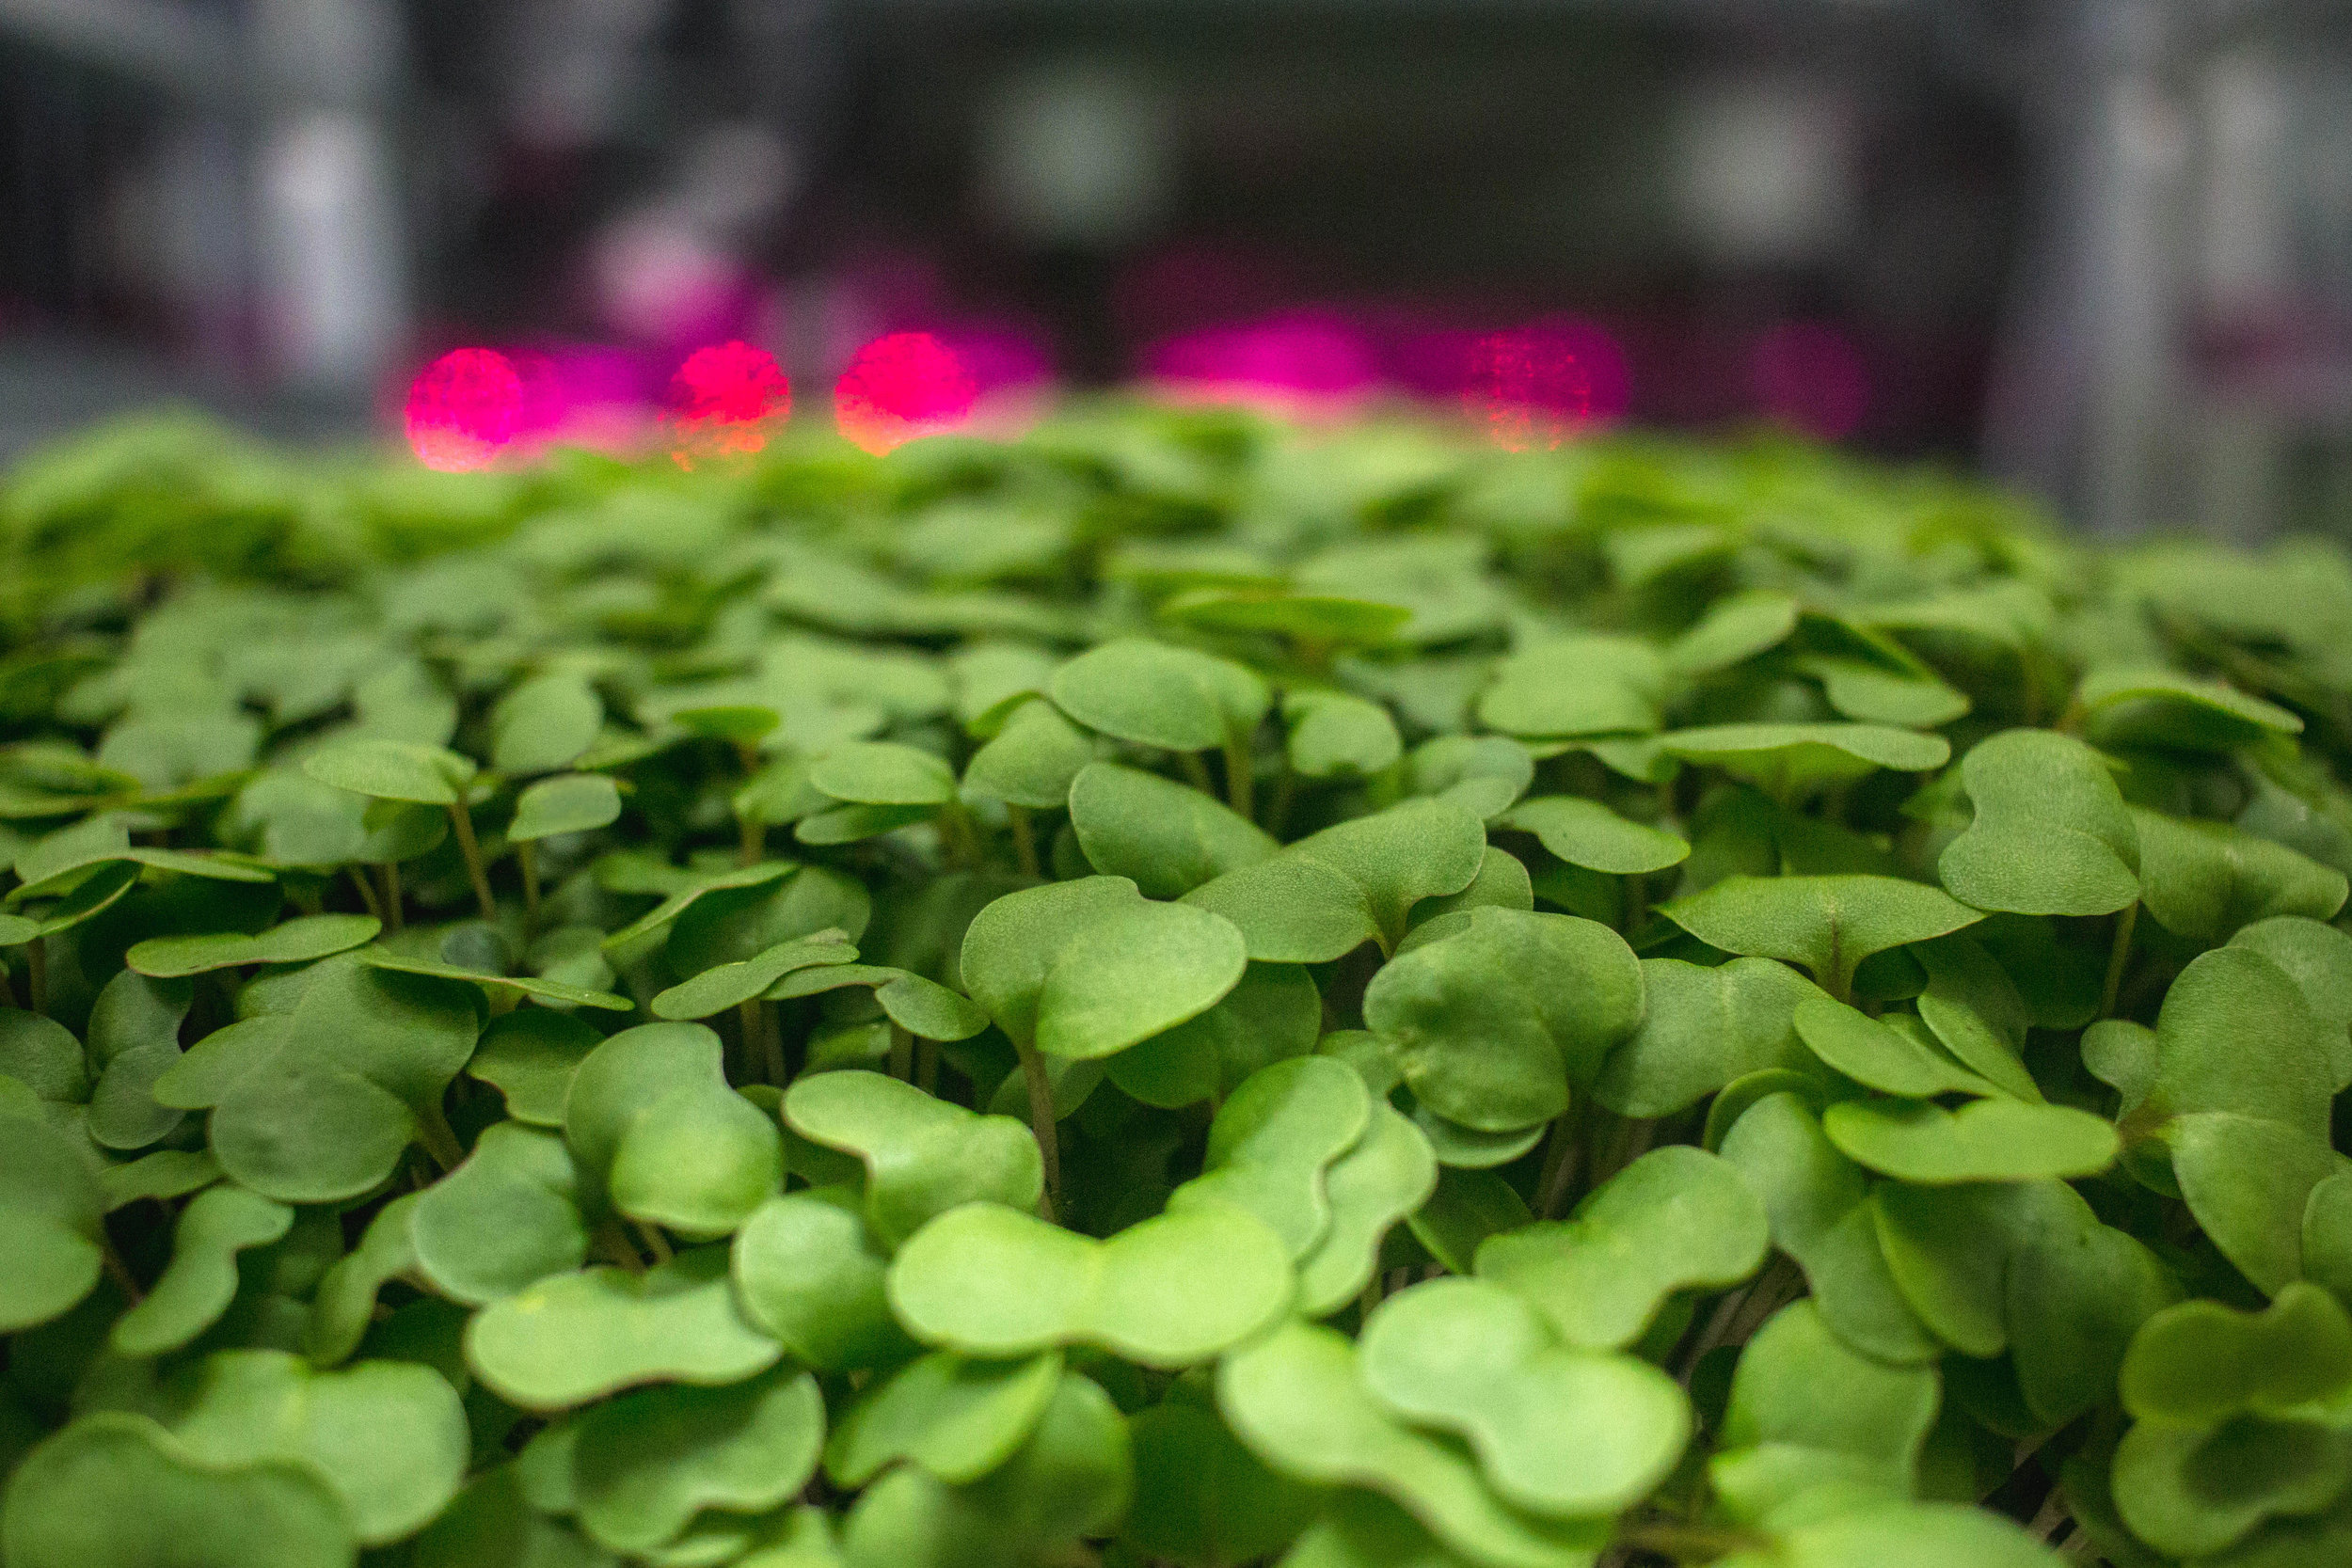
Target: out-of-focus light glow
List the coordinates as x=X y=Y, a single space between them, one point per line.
x=900 y=387
x=1811 y=376
x=462 y=409
x=1527 y=389
x=724 y=401
x=1303 y=363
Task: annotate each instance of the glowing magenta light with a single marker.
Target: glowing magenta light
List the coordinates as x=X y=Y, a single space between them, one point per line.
x=462 y=409
x=1527 y=387
x=724 y=401
x=900 y=387
x=1299 y=363
x=1810 y=375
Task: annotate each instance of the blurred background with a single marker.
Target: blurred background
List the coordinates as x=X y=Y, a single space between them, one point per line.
x=2100 y=249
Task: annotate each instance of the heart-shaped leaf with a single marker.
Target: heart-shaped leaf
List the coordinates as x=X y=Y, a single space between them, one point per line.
x=1171 y=1291
x=1986 y=1140
x=1165 y=838
x=2138 y=704
x=1676 y=1219
x=543 y=722
x=1828 y=925
x=1560 y=1432
x=1144 y=969
x=1492 y=1024
x=1297 y=1398
x=716 y=990
x=656 y=1128
x=2318 y=959
x=1032 y=760
x=923 y=1156
x=646 y=1463
x=193 y=1292
x=1157 y=695
x=809 y=1272
x=1271 y=1144
x=507 y=1218
x=1807 y=1411
x=555 y=992
x=295 y=942
x=958 y=1419
x=116 y=1490
x=1820 y=1217
x=1587 y=833
x=1881 y=1053
x=2051 y=834
x=567 y=803
x=2204 y=881
x=1335 y=735
x=393 y=770
x=1702 y=1029
x=575 y=1338
x=1577 y=685
x=1481 y=773
x=528 y=1056
x=1388 y=1176
x=1274 y=1013
x=1790 y=761
x=387 y=1436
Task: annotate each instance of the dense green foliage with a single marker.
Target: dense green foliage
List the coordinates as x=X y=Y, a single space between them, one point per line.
x=1169 y=992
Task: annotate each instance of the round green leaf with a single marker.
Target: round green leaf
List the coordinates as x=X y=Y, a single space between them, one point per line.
x=1171 y=1292
x=1031 y=761
x=1560 y=1432
x=1828 y=925
x=1702 y=1029
x=577 y=1337
x=1157 y=695
x=2051 y=834
x=1165 y=837
x=1587 y=833
x=528 y=1056
x=196 y=1289
x=505 y=1218
x=1676 y=1219
x=1144 y=969
x=114 y=1491
x=883 y=773
x=543 y=722
x=567 y=803
x=1202 y=1498
x=1788 y=761
x=958 y=1419
x=1986 y=1140
x=1882 y=1055
x=391 y=770
x=646 y=1463
x=1492 y=1024
x=652 y=1121
x=295 y=942
x=1272 y=1141
x=1577 y=685
x=923 y=1156
x=809 y=1270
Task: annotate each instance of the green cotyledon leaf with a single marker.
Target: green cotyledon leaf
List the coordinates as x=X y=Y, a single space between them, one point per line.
x=1272 y=1142
x=1492 y=1024
x=1676 y=1219
x=923 y=1156
x=2051 y=834
x=1561 y=1431
x=1828 y=925
x=661 y=1135
x=1169 y=1292
x=114 y=1490
x=575 y=1338
x=1296 y=1397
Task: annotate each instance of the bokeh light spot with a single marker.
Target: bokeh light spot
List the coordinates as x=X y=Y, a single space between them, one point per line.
x=462 y=409
x=1302 y=363
x=1811 y=376
x=724 y=401
x=900 y=387
x=1527 y=389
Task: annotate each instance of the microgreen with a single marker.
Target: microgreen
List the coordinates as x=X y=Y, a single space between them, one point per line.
x=1162 y=992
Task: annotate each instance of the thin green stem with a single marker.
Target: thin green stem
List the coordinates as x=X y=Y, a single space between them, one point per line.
x=527 y=860
x=1240 y=783
x=1285 y=792
x=613 y=1245
x=367 y=892
x=37 y=973
x=1197 y=772
x=438 y=1138
x=118 y=1271
x=462 y=820
x=656 y=1242
x=388 y=878
x=1042 y=1123
x=901 y=1054
x=2118 y=956
x=1559 y=1163
x=1023 y=839
x=927 y=1066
